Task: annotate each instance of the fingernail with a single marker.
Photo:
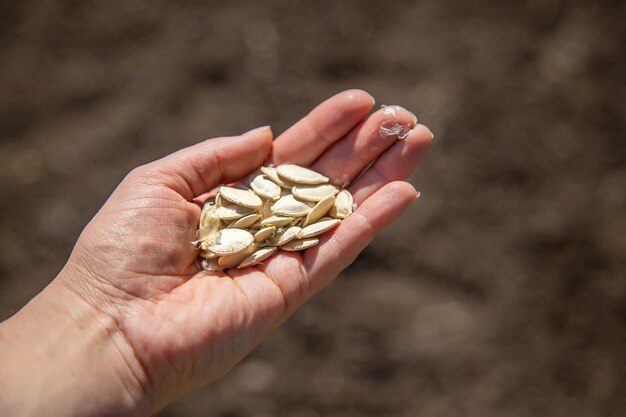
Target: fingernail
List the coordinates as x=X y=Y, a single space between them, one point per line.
x=414 y=117
x=259 y=129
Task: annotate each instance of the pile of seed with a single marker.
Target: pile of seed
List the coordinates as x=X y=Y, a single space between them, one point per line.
x=283 y=207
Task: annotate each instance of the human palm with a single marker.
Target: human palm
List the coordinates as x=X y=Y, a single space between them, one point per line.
x=183 y=327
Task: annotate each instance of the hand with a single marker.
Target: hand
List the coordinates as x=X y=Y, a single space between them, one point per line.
x=159 y=326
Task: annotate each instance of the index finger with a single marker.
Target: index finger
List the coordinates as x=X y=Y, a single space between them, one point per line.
x=307 y=139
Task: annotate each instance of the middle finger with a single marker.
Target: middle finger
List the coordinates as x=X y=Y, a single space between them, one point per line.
x=348 y=157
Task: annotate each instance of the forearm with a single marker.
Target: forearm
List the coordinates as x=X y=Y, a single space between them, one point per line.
x=60 y=357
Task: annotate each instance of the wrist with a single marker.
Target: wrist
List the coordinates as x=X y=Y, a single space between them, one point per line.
x=60 y=355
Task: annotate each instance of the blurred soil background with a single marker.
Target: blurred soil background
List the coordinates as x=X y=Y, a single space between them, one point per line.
x=501 y=292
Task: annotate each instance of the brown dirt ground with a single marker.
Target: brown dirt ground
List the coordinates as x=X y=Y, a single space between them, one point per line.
x=501 y=292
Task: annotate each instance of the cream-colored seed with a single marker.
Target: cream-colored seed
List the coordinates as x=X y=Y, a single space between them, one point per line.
x=300 y=244
x=258 y=257
x=245 y=221
x=265 y=188
x=285 y=208
x=244 y=198
x=272 y=174
x=320 y=210
x=314 y=193
x=300 y=175
x=277 y=221
x=228 y=211
x=290 y=206
x=318 y=228
x=264 y=234
x=284 y=236
x=343 y=205
x=207 y=254
x=233 y=260
x=209 y=223
x=229 y=241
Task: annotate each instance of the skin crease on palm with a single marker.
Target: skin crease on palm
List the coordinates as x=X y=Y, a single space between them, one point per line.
x=154 y=326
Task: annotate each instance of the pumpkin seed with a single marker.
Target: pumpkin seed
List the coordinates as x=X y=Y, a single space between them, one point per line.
x=278 y=221
x=207 y=254
x=228 y=211
x=320 y=210
x=289 y=206
x=245 y=198
x=285 y=208
x=343 y=205
x=318 y=228
x=245 y=221
x=300 y=244
x=265 y=187
x=229 y=241
x=314 y=193
x=209 y=223
x=300 y=175
x=264 y=234
x=272 y=174
x=233 y=260
x=258 y=257
x=285 y=236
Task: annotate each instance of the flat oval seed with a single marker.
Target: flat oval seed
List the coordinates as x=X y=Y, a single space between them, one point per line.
x=273 y=175
x=206 y=254
x=245 y=221
x=258 y=257
x=229 y=211
x=245 y=198
x=264 y=234
x=207 y=215
x=265 y=187
x=278 y=221
x=318 y=228
x=314 y=193
x=343 y=205
x=284 y=237
x=300 y=174
x=319 y=211
x=300 y=244
x=209 y=222
x=289 y=206
x=233 y=260
x=229 y=241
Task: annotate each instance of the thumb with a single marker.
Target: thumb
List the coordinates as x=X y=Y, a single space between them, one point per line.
x=198 y=169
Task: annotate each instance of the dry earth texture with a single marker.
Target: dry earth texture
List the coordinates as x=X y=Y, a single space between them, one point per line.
x=500 y=292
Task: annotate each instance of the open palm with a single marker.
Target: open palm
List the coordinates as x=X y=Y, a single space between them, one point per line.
x=184 y=327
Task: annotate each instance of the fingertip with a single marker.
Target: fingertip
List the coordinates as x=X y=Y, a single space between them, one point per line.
x=260 y=133
x=260 y=138
x=402 y=190
x=424 y=133
x=305 y=141
x=397 y=115
x=416 y=143
x=359 y=94
x=356 y=98
x=256 y=130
